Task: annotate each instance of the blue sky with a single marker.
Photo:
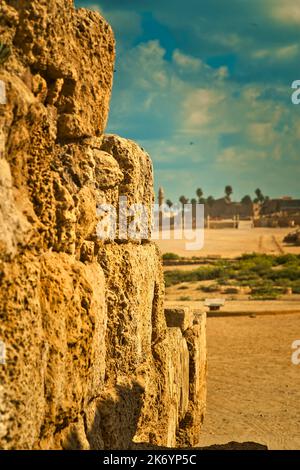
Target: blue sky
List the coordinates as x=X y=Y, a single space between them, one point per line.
x=205 y=87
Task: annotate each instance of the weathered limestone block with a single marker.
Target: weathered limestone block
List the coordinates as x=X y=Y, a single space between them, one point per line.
x=21 y=397
x=92 y=176
x=84 y=164
x=73 y=51
x=54 y=333
x=150 y=366
x=135 y=321
x=72 y=437
x=177 y=382
x=131 y=292
x=181 y=317
x=58 y=80
x=195 y=336
x=192 y=327
x=23 y=118
x=119 y=410
x=13 y=224
x=137 y=184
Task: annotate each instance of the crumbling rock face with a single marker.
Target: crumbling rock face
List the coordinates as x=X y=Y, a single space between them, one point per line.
x=91 y=360
x=67 y=58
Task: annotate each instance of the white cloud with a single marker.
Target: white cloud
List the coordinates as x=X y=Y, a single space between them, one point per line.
x=287 y=52
x=239 y=157
x=186 y=61
x=286 y=11
x=199 y=106
x=157 y=103
x=279 y=53
x=261 y=53
x=144 y=68
x=262 y=133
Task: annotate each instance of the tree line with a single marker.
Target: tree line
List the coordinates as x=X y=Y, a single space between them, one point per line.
x=228 y=191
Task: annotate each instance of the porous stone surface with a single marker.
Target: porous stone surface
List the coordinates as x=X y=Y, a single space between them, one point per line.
x=182 y=317
x=90 y=360
x=65 y=56
x=195 y=336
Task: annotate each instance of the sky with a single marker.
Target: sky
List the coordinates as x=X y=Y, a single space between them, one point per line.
x=205 y=87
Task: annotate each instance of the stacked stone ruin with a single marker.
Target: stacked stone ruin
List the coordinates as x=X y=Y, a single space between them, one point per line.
x=91 y=359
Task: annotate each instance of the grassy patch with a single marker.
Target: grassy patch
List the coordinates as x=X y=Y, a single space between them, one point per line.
x=204 y=273
x=211 y=288
x=170 y=256
x=267 y=275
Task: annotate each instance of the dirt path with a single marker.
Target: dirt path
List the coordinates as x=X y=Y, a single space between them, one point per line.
x=253 y=387
x=260 y=244
x=277 y=245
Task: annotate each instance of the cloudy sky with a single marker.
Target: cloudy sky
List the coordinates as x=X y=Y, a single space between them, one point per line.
x=205 y=87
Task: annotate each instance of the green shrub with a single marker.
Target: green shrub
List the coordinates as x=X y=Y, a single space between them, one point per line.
x=212 y=288
x=170 y=256
x=205 y=273
x=254 y=270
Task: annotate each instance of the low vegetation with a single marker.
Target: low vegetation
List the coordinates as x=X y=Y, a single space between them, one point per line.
x=170 y=256
x=184 y=298
x=267 y=275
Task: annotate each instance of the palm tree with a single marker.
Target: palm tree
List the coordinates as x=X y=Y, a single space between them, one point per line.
x=258 y=193
x=259 y=196
x=193 y=201
x=199 y=194
x=183 y=201
x=169 y=203
x=228 y=191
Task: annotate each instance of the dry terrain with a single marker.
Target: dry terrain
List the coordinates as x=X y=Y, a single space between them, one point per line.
x=253 y=387
x=246 y=307
x=230 y=243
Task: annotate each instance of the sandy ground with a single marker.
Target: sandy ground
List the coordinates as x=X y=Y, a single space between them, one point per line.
x=247 y=307
x=253 y=387
x=183 y=267
x=230 y=243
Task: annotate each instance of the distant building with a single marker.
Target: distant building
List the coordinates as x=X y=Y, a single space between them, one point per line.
x=223 y=208
x=284 y=205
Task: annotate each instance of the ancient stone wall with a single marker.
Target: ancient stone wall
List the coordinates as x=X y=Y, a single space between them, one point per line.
x=91 y=360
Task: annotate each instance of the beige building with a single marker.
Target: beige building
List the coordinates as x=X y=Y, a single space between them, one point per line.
x=223 y=208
